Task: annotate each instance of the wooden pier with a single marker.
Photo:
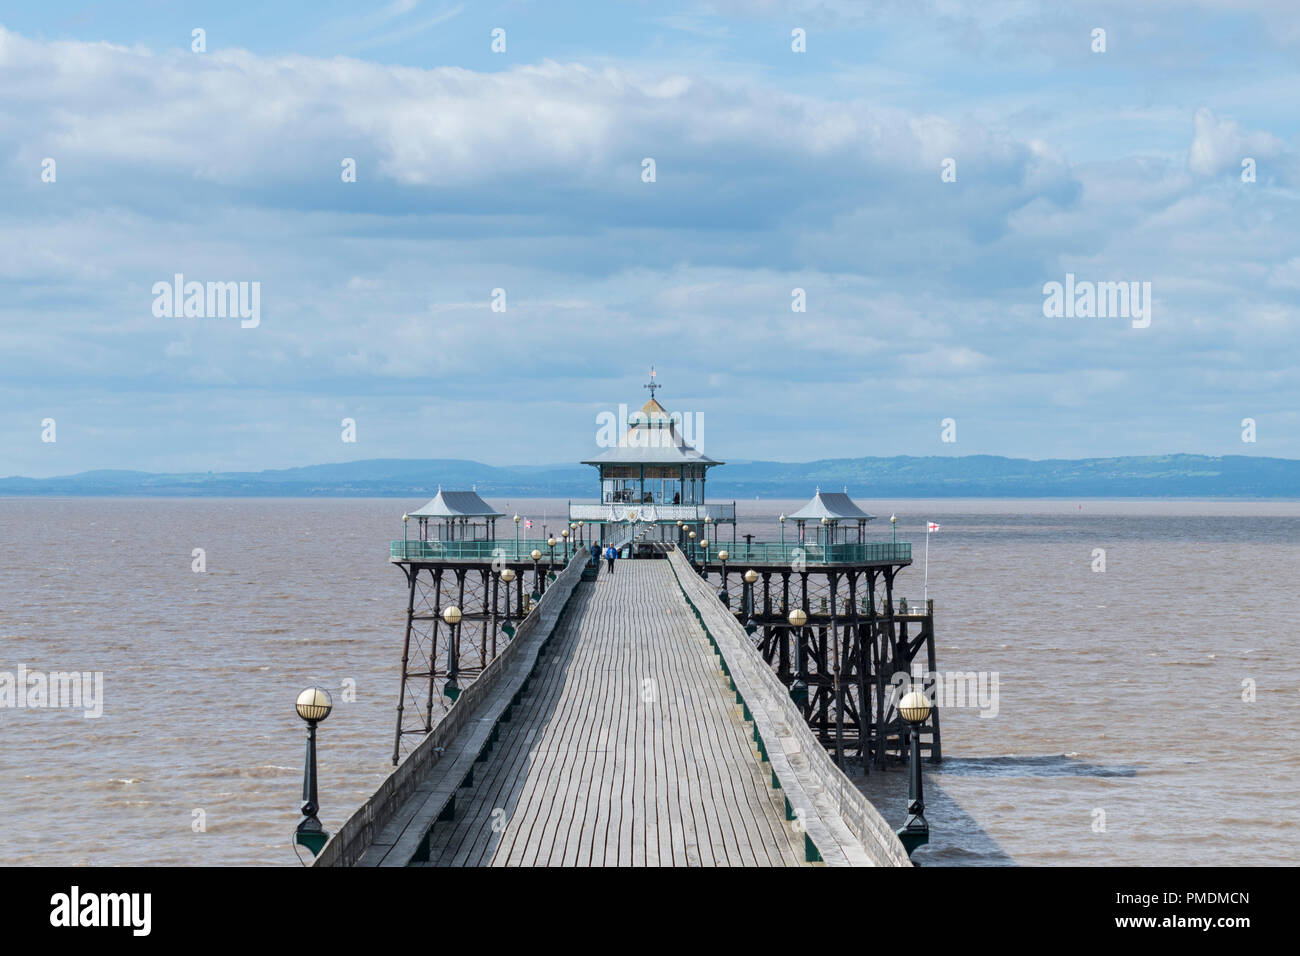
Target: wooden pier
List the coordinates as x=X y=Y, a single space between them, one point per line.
x=625 y=751
x=621 y=728
x=644 y=716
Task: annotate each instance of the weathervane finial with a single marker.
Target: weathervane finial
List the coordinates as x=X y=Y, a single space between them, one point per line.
x=653 y=384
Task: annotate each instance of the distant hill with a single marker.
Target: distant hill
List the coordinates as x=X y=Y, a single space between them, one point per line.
x=973 y=476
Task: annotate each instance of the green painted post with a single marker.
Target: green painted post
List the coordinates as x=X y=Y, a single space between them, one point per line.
x=313 y=840
x=449 y=811
x=810 y=851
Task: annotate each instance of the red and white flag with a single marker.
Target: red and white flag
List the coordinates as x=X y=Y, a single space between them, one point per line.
x=930 y=526
x=528 y=522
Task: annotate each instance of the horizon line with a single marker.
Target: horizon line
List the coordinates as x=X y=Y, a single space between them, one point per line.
x=733 y=461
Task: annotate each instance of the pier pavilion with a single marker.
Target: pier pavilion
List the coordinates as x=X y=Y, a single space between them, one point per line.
x=834 y=516
x=700 y=708
x=455 y=516
x=651 y=475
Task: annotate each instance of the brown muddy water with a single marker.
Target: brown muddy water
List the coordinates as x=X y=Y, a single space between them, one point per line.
x=1145 y=714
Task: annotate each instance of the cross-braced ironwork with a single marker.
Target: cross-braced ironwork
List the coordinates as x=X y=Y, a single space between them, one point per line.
x=852 y=657
x=440 y=658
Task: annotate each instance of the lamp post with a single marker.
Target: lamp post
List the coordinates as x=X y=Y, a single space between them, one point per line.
x=582 y=539
x=798 y=687
x=914 y=708
x=893 y=529
x=782 y=520
x=313 y=705
x=550 y=570
x=565 y=535
x=691 y=536
x=751 y=576
x=516 y=520
x=451 y=616
x=826 y=531
x=537 y=575
x=704 y=568
x=723 y=596
x=405 y=520
x=508 y=577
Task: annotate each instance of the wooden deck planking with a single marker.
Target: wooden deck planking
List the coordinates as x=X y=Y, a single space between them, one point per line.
x=587 y=773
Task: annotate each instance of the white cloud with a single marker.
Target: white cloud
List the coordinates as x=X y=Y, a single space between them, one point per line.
x=1220 y=144
x=921 y=294
x=234 y=118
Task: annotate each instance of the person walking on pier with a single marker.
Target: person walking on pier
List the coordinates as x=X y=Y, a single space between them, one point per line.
x=610 y=555
x=595 y=555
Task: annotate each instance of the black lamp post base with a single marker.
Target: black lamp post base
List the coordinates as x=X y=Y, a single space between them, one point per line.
x=799 y=692
x=912 y=836
x=313 y=840
x=310 y=833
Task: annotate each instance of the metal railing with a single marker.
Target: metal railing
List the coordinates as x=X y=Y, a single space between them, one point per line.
x=477 y=550
x=918 y=608
x=650 y=511
x=774 y=552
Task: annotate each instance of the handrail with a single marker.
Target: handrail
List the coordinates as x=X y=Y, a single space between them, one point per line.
x=838 y=819
x=506 y=548
x=790 y=552
x=617 y=511
x=346 y=846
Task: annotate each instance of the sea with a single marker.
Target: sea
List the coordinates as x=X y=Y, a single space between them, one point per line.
x=1140 y=679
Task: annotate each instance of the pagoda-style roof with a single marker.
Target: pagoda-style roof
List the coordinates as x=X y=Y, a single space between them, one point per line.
x=651 y=412
x=456 y=504
x=652 y=439
x=833 y=506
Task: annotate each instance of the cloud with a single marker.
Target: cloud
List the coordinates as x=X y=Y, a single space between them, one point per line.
x=1220 y=144
x=239 y=120
x=923 y=297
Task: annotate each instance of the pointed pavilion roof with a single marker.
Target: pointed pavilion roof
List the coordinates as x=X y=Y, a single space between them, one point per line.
x=652 y=439
x=651 y=412
x=833 y=506
x=456 y=504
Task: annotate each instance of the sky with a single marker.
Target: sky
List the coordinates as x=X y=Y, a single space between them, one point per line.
x=503 y=269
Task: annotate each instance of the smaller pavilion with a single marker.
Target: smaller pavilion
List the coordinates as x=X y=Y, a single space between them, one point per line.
x=833 y=516
x=456 y=516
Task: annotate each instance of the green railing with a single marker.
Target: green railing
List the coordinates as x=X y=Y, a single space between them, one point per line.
x=476 y=550
x=773 y=552
x=758 y=552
